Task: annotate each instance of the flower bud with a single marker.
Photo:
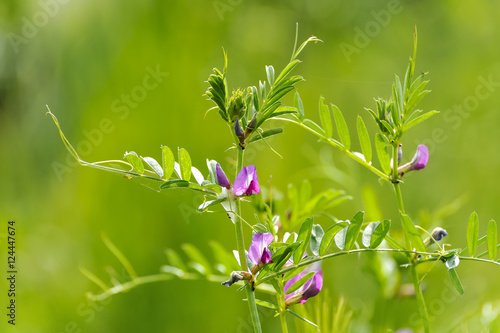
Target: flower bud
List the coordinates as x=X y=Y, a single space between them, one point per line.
x=437 y=234
x=236 y=107
x=251 y=125
x=236 y=277
x=400 y=153
x=221 y=177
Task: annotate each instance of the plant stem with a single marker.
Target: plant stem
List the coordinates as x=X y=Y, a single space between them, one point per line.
x=341 y=147
x=282 y=305
x=420 y=298
x=399 y=197
x=240 y=244
x=413 y=269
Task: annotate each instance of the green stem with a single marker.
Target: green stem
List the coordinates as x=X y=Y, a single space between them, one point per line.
x=338 y=145
x=420 y=298
x=341 y=253
x=240 y=244
x=282 y=305
x=399 y=197
x=413 y=269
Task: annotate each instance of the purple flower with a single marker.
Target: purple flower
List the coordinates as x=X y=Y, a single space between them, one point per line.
x=221 y=177
x=258 y=253
x=247 y=182
x=420 y=159
x=309 y=289
x=418 y=162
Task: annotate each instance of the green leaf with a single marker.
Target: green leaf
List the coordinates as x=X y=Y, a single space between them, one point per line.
x=265 y=304
x=207 y=204
x=492 y=239
x=286 y=71
x=168 y=162
x=326 y=117
x=383 y=155
x=354 y=229
x=340 y=237
x=294 y=273
x=316 y=237
x=304 y=237
x=136 y=162
x=455 y=280
x=419 y=119
x=179 y=183
x=315 y=127
x=342 y=128
x=175 y=260
x=270 y=75
x=375 y=233
x=223 y=257
x=265 y=134
x=364 y=140
x=412 y=233
x=185 y=164
x=472 y=233
x=329 y=235
x=302 y=318
x=197 y=257
x=255 y=95
x=298 y=104
x=153 y=164
x=212 y=164
x=282 y=255
x=300 y=282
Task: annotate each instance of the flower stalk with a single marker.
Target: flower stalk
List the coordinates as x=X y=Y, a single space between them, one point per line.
x=413 y=269
x=240 y=245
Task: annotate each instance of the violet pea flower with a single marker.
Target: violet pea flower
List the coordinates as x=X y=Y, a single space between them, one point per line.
x=418 y=162
x=221 y=177
x=258 y=252
x=247 y=182
x=309 y=289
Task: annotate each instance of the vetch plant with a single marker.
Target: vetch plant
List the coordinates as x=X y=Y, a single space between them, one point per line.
x=287 y=249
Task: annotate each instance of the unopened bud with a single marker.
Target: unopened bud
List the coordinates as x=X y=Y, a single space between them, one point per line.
x=251 y=125
x=400 y=153
x=236 y=277
x=437 y=234
x=238 y=131
x=236 y=107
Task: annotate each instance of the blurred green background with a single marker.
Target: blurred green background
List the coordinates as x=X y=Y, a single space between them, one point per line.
x=81 y=57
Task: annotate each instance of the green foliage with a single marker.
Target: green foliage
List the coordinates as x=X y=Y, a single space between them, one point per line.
x=472 y=233
x=304 y=238
x=254 y=106
x=353 y=230
x=364 y=140
x=375 y=233
x=412 y=233
x=342 y=128
x=492 y=239
x=154 y=177
x=326 y=118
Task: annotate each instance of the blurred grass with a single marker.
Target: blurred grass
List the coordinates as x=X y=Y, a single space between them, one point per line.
x=90 y=53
